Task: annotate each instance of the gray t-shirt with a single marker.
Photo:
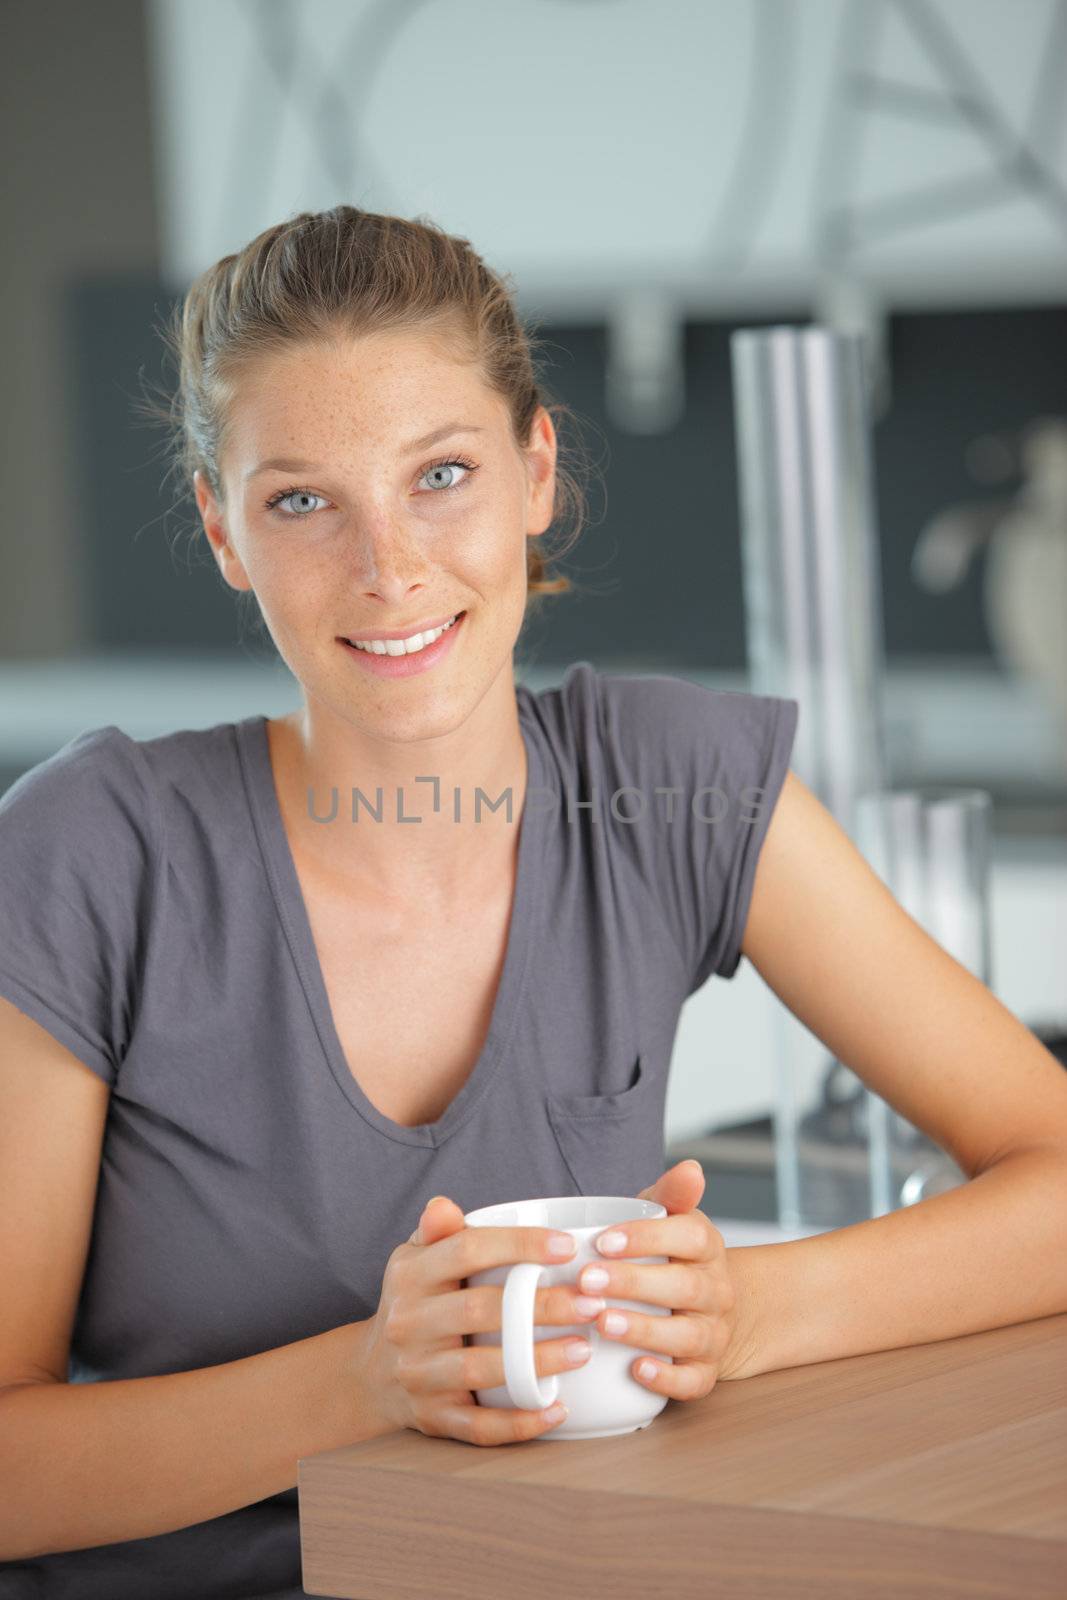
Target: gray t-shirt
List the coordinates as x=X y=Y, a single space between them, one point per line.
x=250 y=1194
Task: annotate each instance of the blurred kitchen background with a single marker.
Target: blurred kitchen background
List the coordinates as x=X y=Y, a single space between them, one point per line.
x=654 y=177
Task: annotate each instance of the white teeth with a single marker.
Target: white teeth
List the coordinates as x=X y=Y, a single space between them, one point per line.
x=401 y=647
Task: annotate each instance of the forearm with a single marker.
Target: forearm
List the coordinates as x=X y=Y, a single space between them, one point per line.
x=990 y=1252
x=90 y=1464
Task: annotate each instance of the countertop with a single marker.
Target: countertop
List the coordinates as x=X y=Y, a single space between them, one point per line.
x=934 y=1469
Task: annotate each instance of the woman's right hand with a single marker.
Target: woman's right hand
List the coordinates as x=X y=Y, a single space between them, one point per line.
x=415 y=1363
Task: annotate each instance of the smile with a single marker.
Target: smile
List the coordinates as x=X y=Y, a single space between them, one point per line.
x=405 y=658
x=400 y=647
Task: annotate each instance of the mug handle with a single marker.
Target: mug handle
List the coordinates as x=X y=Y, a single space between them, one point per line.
x=525 y=1389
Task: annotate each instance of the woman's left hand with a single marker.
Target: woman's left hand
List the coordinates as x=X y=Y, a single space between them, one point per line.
x=704 y=1334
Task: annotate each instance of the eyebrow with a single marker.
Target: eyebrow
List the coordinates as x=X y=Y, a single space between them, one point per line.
x=287 y=464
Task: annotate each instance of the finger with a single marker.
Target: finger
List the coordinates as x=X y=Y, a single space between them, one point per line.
x=479 y=1309
x=440 y=1217
x=682 y=1337
x=688 y=1235
x=481 y=1366
x=678 y=1285
x=492 y=1425
x=471 y=1250
x=678 y=1380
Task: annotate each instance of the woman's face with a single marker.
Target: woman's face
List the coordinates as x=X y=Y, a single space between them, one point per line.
x=346 y=526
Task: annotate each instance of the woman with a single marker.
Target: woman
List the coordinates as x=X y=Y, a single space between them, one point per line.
x=282 y=999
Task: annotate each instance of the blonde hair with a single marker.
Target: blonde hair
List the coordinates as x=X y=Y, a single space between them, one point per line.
x=356 y=272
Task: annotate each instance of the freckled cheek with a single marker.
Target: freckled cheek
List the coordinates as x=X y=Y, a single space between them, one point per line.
x=493 y=541
x=291 y=569
x=486 y=553
x=292 y=594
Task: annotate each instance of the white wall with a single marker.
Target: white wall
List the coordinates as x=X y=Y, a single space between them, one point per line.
x=583 y=146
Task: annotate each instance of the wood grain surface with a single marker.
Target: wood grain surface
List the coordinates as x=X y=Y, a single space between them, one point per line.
x=935 y=1470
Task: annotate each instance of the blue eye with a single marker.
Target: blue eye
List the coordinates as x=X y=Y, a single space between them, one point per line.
x=447 y=465
x=293 y=494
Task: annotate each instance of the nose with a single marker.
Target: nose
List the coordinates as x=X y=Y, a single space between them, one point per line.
x=389 y=565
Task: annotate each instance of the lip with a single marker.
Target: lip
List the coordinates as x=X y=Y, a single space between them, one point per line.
x=405 y=666
x=404 y=633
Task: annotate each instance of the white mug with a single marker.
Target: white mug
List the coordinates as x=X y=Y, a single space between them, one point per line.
x=603 y=1396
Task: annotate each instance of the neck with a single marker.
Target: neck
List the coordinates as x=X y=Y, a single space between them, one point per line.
x=448 y=782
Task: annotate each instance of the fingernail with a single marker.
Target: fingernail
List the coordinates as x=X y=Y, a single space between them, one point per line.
x=577 y=1351
x=615 y=1322
x=593 y=1278
x=561 y=1244
x=646 y=1370
x=588 y=1305
x=609 y=1244
x=556 y=1412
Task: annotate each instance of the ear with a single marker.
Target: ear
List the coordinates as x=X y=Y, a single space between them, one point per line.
x=540 y=458
x=211 y=516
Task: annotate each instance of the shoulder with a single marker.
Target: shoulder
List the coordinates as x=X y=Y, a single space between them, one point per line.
x=79 y=846
x=689 y=777
x=103 y=782
x=98 y=779
x=635 y=721
x=669 y=710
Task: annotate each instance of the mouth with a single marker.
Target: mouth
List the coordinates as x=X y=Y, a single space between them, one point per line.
x=401 y=658
x=407 y=644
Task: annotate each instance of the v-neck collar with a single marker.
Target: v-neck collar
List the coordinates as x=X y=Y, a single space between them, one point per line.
x=254 y=750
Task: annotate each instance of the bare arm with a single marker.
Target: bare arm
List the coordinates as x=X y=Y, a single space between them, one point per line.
x=90 y=1464
x=830 y=939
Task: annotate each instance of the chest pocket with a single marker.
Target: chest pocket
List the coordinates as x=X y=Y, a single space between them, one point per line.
x=612 y=1143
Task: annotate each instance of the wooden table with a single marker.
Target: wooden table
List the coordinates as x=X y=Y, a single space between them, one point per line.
x=936 y=1470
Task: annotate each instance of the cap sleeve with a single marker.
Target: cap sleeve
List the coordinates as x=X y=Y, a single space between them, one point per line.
x=723 y=755
x=79 y=840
